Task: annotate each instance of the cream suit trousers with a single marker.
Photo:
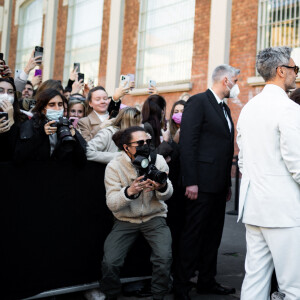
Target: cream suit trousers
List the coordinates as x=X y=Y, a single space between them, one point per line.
x=268 y=248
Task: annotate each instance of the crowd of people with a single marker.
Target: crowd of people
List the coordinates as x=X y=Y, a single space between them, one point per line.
x=184 y=158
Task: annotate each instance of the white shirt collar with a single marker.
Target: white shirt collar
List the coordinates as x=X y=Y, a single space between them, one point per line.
x=216 y=96
x=102 y=118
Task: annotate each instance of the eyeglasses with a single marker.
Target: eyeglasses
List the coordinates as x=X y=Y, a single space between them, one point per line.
x=296 y=68
x=141 y=143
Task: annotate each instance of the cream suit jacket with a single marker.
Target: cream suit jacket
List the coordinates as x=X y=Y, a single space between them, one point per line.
x=269 y=159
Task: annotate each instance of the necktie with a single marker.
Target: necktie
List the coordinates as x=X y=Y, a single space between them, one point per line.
x=224 y=110
x=225 y=114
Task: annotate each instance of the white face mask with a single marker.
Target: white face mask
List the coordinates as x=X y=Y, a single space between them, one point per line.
x=234 y=91
x=7 y=97
x=53 y=114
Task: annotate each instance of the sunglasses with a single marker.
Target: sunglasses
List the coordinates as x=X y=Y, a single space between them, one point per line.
x=296 y=68
x=141 y=143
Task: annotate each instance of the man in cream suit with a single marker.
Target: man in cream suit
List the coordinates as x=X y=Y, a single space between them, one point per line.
x=269 y=159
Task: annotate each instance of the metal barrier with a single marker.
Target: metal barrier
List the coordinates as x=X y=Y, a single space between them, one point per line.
x=235 y=211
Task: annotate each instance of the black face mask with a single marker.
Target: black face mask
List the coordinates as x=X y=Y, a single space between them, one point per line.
x=142 y=151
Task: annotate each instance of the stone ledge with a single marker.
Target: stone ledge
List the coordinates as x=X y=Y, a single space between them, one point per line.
x=183 y=87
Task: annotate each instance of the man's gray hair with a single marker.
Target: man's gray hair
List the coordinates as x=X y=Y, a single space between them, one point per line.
x=270 y=58
x=224 y=71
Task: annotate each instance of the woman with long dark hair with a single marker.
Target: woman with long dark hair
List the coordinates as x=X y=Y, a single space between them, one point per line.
x=153 y=113
x=10 y=118
x=47 y=135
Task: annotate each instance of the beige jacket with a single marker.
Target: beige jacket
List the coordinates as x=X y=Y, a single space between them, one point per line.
x=102 y=148
x=89 y=126
x=119 y=174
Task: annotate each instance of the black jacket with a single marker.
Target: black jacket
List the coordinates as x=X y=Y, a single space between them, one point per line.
x=34 y=145
x=206 y=144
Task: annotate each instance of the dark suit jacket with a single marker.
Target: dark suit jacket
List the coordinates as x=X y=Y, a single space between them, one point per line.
x=206 y=144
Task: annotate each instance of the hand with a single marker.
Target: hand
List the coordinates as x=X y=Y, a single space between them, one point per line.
x=48 y=129
x=86 y=90
x=32 y=63
x=77 y=86
x=154 y=186
x=36 y=80
x=132 y=85
x=4 y=125
x=72 y=130
x=229 y=194
x=177 y=136
x=153 y=90
x=74 y=74
x=2 y=66
x=120 y=92
x=7 y=72
x=138 y=186
x=168 y=159
x=8 y=107
x=191 y=192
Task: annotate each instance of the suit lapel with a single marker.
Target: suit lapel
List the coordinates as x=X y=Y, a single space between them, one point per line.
x=232 y=125
x=218 y=109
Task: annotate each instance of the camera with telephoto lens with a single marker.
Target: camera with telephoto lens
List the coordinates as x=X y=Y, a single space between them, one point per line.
x=63 y=130
x=154 y=174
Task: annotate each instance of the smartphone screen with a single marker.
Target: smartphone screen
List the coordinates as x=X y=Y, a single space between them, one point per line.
x=81 y=76
x=5 y=115
x=1 y=56
x=78 y=67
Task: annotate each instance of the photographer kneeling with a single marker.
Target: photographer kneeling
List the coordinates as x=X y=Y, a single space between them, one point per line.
x=48 y=135
x=135 y=193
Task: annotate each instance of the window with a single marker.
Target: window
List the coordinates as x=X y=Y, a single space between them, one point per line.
x=165 y=47
x=83 y=40
x=29 y=31
x=279 y=25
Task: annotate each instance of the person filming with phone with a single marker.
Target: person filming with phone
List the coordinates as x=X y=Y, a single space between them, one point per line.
x=10 y=119
x=136 y=191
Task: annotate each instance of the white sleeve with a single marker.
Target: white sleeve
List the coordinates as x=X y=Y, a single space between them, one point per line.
x=240 y=145
x=289 y=128
x=96 y=148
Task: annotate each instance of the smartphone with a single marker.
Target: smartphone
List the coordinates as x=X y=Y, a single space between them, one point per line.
x=124 y=81
x=74 y=121
x=38 y=72
x=4 y=114
x=38 y=51
x=1 y=56
x=81 y=76
x=78 y=67
x=152 y=83
x=17 y=73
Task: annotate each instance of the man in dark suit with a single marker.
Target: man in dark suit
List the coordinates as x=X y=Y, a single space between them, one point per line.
x=206 y=145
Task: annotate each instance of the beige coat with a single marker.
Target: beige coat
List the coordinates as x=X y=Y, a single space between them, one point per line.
x=102 y=148
x=119 y=174
x=89 y=126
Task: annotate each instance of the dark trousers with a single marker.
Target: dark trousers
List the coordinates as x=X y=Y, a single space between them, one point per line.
x=117 y=245
x=200 y=240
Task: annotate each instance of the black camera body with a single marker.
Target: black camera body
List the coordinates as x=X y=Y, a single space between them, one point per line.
x=154 y=174
x=63 y=130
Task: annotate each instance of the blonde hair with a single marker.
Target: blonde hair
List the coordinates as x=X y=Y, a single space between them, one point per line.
x=73 y=102
x=127 y=117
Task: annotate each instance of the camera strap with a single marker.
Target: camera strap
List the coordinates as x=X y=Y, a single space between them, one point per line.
x=153 y=157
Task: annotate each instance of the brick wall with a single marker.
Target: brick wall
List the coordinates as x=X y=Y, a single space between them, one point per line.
x=243 y=51
x=61 y=31
x=1 y=4
x=104 y=42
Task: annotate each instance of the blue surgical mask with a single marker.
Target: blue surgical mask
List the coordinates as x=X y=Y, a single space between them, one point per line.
x=53 y=114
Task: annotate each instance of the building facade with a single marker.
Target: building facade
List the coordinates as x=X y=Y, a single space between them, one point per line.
x=177 y=43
